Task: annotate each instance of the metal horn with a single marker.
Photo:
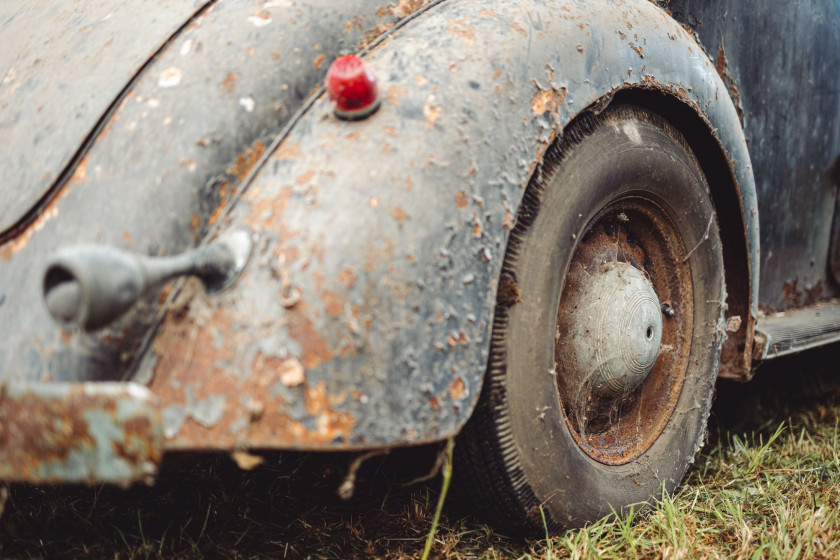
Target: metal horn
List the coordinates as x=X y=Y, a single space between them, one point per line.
x=89 y=286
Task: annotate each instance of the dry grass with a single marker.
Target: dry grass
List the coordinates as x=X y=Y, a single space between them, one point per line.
x=767 y=485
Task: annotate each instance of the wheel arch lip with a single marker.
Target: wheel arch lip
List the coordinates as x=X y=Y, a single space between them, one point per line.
x=365 y=315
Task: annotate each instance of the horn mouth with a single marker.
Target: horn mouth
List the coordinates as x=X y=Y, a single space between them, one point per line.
x=64 y=296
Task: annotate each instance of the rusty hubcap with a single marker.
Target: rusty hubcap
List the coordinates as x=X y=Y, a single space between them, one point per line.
x=621 y=364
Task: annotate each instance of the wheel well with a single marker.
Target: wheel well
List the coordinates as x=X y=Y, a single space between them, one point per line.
x=713 y=159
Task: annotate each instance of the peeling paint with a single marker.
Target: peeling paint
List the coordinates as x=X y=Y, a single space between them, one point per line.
x=170 y=77
x=547 y=100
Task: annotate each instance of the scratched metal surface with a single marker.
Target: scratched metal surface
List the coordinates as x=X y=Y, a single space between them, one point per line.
x=61 y=65
x=167 y=161
x=779 y=60
x=363 y=317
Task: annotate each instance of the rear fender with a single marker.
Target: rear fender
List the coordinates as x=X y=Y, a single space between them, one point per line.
x=364 y=317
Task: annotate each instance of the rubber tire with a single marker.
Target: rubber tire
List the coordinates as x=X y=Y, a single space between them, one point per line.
x=516 y=460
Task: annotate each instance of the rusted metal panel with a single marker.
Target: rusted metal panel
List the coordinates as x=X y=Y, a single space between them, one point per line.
x=61 y=66
x=162 y=168
x=92 y=432
x=363 y=317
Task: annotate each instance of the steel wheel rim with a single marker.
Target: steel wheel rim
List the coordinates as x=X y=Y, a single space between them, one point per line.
x=637 y=230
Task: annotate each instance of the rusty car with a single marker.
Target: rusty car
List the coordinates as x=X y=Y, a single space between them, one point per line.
x=236 y=226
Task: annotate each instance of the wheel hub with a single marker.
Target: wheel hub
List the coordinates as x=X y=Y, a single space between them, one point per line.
x=616 y=329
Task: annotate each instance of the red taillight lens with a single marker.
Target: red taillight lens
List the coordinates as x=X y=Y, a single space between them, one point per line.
x=351 y=85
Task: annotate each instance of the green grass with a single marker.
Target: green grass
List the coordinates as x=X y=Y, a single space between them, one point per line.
x=767 y=485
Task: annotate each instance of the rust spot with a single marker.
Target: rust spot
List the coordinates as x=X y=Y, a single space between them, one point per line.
x=223 y=189
x=217 y=213
x=507 y=221
x=372 y=34
x=80 y=173
x=720 y=66
x=315 y=349
x=267 y=211
x=245 y=162
x=813 y=295
x=516 y=27
x=390 y=131
x=487 y=13
x=406 y=7
x=458 y=390
x=319 y=61
x=398 y=213
x=287 y=152
x=164 y=294
x=720 y=63
x=333 y=304
x=792 y=295
x=347 y=277
x=461 y=200
x=127 y=238
x=305 y=177
x=421 y=81
x=431 y=110
x=547 y=100
x=456 y=339
x=395 y=92
x=462 y=29
x=229 y=83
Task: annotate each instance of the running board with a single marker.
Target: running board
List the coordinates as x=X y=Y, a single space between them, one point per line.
x=793 y=331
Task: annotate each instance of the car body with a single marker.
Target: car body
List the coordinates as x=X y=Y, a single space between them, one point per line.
x=363 y=318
